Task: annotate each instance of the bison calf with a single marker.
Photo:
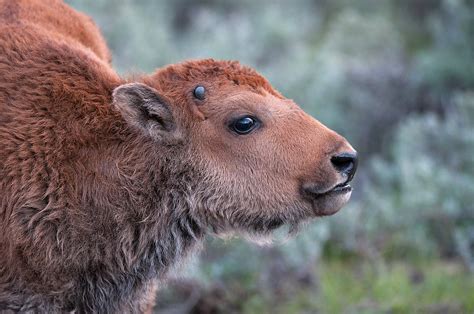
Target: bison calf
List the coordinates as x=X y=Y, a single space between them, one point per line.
x=106 y=183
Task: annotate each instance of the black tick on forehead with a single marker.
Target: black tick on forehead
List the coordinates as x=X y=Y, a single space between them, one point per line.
x=199 y=92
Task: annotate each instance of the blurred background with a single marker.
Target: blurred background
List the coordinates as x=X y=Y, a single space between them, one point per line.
x=396 y=78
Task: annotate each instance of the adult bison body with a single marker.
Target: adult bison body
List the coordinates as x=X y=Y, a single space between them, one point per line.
x=106 y=183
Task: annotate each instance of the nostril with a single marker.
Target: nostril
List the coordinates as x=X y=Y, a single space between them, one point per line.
x=345 y=163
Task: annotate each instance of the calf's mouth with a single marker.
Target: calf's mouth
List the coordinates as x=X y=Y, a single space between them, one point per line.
x=329 y=201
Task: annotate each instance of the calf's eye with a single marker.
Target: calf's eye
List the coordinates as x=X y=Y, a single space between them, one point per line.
x=199 y=92
x=244 y=125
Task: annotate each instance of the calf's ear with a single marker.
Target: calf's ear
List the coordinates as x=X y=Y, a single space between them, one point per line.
x=142 y=107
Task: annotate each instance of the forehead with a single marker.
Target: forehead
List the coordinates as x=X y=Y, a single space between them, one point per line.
x=214 y=75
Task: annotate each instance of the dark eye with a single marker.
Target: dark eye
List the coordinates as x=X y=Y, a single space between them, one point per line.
x=199 y=92
x=244 y=125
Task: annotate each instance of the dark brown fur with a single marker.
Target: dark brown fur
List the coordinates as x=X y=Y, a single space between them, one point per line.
x=106 y=184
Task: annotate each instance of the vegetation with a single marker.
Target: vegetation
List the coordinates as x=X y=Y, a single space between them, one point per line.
x=396 y=78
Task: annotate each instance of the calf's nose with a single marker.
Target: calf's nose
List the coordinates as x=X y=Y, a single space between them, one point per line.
x=345 y=163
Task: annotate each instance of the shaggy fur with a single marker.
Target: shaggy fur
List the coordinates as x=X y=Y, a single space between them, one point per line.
x=105 y=184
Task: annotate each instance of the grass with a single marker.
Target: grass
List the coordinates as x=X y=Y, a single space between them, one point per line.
x=359 y=287
x=347 y=285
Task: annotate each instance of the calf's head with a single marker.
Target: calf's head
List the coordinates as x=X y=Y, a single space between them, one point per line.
x=257 y=160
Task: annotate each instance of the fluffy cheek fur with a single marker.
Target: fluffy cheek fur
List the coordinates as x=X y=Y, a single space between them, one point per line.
x=252 y=207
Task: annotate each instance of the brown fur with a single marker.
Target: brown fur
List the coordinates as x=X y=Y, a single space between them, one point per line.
x=106 y=184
